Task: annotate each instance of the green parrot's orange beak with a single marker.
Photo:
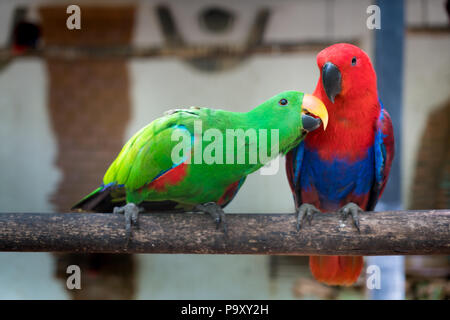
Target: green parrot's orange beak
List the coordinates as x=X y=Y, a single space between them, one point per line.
x=315 y=107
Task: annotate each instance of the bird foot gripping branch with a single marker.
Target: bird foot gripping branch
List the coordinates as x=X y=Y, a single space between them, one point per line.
x=131 y=214
x=354 y=210
x=216 y=212
x=305 y=211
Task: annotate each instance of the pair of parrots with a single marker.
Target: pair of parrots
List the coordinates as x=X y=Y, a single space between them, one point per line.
x=341 y=167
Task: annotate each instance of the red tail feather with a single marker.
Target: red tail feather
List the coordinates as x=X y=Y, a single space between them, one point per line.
x=336 y=270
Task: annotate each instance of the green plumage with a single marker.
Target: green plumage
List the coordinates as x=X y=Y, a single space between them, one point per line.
x=144 y=170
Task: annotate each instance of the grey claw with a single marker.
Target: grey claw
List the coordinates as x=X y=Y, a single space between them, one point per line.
x=305 y=211
x=354 y=210
x=127 y=229
x=215 y=211
x=309 y=218
x=355 y=217
x=299 y=220
x=224 y=224
x=131 y=213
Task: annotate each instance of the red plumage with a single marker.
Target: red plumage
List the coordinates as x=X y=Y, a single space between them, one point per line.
x=169 y=178
x=353 y=114
x=357 y=122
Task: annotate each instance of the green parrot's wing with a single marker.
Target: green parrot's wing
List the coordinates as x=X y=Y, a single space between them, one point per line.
x=148 y=153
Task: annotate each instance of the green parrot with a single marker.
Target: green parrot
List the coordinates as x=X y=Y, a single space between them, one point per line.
x=167 y=165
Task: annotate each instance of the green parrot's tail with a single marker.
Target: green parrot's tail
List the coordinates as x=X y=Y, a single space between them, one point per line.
x=98 y=200
x=105 y=198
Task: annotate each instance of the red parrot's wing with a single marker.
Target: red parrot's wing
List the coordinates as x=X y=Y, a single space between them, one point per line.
x=384 y=154
x=294 y=160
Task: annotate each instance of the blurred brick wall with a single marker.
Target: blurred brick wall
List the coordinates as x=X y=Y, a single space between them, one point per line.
x=89 y=110
x=89 y=107
x=100 y=26
x=431 y=187
x=428 y=276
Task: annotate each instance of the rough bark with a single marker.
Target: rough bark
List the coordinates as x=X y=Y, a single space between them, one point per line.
x=382 y=233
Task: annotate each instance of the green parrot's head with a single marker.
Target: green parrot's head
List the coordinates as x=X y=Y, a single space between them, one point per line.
x=293 y=111
x=294 y=114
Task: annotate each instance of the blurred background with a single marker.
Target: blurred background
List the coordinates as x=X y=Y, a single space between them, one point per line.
x=69 y=99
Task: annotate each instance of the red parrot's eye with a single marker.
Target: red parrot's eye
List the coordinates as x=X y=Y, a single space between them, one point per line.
x=354 y=61
x=283 y=102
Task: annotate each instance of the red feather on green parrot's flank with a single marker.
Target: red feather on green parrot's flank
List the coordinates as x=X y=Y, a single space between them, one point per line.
x=169 y=178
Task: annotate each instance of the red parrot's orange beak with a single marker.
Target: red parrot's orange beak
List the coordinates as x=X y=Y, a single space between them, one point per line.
x=312 y=105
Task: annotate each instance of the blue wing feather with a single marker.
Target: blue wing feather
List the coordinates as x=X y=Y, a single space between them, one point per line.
x=334 y=181
x=384 y=154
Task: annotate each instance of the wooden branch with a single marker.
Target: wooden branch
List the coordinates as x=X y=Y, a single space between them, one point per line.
x=183 y=52
x=382 y=233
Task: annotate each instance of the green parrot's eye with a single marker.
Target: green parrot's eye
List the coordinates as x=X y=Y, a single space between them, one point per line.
x=283 y=102
x=354 y=61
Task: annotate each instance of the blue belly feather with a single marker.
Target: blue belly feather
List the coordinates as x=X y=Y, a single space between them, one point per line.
x=335 y=180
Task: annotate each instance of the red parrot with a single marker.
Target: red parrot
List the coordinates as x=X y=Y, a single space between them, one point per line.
x=346 y=167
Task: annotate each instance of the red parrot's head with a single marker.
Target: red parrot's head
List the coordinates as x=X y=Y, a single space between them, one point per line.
x=348 y=88
x=346 y=73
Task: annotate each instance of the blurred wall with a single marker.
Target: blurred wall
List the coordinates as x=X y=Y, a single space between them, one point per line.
x=28 y=175
x=427 y=88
